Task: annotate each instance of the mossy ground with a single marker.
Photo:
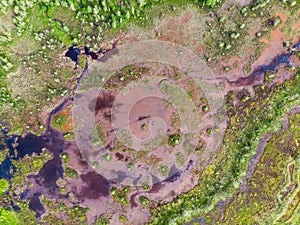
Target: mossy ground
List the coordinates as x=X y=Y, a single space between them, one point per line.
x=249 y=121
x=263 y=188
x=9 y=217
x=35 y=77
x=16 y=186
x=34 y=74
x=74 y=215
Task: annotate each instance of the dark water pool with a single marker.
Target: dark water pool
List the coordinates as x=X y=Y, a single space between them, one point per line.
x=30 y=144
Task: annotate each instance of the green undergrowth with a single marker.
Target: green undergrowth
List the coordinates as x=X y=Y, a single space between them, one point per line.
x=4 y=185
x=34 y=78
x=27 y=165
x=72 y=215
x=35 y=35
x=120 y=195
x=265 y=190
x=16 y=186
x=234 y=26
x=22 y=217
x=102 y=220
x=9 y=217
x=250 y=119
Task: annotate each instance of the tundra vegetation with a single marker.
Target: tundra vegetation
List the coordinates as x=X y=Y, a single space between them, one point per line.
x=35 y=77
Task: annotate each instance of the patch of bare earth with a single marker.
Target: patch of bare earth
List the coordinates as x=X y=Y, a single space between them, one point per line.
x=274 y=44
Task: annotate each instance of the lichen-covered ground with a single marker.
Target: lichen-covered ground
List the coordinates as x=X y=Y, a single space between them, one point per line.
x=232 y=135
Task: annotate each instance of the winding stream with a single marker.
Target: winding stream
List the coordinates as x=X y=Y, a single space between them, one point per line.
x=281 y=59
x=54 y=141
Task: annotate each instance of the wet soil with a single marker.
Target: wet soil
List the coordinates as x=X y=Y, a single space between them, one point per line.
x=94 y=186
x=36 y=205
x=90 y=185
